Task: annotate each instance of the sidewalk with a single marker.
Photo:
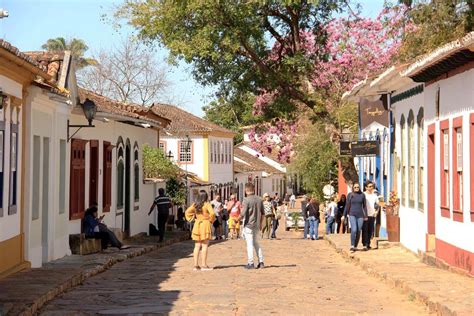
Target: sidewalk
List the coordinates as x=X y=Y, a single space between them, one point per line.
x=25 y=292
x=443 y=292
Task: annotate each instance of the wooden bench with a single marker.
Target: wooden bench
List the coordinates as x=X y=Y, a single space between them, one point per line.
x=80 y=245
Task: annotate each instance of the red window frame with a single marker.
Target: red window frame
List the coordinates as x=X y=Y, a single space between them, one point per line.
x=471 y=141
x=445 y=211
x=457 y=203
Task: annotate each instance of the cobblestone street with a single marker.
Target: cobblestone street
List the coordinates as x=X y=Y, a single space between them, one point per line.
x=301 y=277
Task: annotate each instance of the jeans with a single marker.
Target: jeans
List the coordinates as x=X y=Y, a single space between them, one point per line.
x=162 y=219
x=313 y=227
x=274 y=227
x=106 y=236
x=330 y=225
x=225 y=229
x=356 y=229
x=368 y=231
x=306 y=227
x=251 y=238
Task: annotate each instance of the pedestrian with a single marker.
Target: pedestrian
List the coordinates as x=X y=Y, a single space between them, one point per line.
x=292 y=200
x=372 y=206
x=269 y=215
x=202 y=214
x=356 y=208
x=286 y=200
x=252 y=215
x=276 y=218
x=225 y=218
x=163 y=204
x=234 y=208
x=217 y=207
x=331 y=215
x=304 y=213
x=94 y=228
x=313 y=215
x=276 y=199
x=340 y=227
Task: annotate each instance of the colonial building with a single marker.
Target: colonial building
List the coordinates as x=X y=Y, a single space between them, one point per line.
x=17 y=72
x=199 y=147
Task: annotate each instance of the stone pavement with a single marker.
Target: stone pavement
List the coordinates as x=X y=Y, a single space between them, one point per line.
x=302 y=277
x=442 y=291
x=25 y=292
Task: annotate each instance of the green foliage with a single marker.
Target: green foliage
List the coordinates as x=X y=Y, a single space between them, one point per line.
x=176 y=190
x=295 y=216
x=437 y=22
x=316 y=158
x=157 y=165
x=233 y=113
x=77 y=47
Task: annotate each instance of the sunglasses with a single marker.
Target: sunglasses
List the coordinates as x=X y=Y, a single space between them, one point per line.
x=356 y=187
x=370 y=186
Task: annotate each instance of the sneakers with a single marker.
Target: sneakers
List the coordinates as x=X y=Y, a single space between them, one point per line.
x=124 y=247
x=261 y=265
x=249 y=266
x=364 y=248
x=352 y=250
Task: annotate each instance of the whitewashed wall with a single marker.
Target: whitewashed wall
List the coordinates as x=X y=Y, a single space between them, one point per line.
x=413 y=221
x=220 y=172
x=197 y=166
x=456 y=99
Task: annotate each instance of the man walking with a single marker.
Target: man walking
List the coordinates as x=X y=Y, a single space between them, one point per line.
x=252 y=215
x=218 y=209
x=163 y=204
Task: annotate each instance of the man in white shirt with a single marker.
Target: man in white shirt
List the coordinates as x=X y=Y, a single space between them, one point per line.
x=368 y=228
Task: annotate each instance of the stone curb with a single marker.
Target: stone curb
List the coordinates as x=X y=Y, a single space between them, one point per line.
x=434 y=306
x=80 y=277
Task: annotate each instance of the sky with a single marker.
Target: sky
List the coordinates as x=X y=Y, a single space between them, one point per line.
x=32 y=22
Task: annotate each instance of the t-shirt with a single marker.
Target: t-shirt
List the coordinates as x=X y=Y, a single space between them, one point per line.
x=332 y=207
x=216 y=205
x=163 y=204
x=371 y=199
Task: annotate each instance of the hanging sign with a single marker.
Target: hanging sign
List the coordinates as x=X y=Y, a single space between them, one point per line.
x=345 y=148
x=364 y=148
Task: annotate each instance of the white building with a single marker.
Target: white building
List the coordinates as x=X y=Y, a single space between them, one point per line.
x=209 y=154
x=69 y=168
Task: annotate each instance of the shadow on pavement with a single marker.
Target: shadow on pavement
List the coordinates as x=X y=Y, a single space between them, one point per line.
x=243 y=266
x=131 y=287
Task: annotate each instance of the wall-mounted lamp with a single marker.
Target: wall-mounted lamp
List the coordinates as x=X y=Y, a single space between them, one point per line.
x=3 y=99
x=170 y=155
x=90 y=110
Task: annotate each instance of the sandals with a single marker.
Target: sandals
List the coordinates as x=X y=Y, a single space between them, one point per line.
x=197 y=268
x=206 y=268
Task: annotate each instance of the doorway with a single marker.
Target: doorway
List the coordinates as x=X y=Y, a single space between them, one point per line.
x=430 y=238
x=127 y=190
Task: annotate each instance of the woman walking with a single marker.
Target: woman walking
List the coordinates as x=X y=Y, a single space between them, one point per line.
x=372 y=206
x=234 y=207
x=356 y=208
x=331 y=213
x=269 y=215
x=203 y=215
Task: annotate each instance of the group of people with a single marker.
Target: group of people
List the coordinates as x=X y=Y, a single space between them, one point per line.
x=252 y=215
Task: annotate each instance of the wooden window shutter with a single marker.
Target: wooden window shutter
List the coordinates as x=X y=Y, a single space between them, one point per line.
x=107 y=181
x=77 y=178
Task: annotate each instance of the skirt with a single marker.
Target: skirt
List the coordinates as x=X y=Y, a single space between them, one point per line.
x=202 y=230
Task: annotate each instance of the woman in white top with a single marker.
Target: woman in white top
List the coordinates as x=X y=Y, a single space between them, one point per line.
x=331 y=216
x=368 y=228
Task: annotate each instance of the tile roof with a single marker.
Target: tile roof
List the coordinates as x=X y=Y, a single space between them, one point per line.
x=135 y=111
x=185 y=122
x=15 y=51
x=50 y=61
x=254 y=163
x=273 y=155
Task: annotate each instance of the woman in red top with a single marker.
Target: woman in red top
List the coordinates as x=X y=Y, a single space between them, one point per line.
x=234 y=208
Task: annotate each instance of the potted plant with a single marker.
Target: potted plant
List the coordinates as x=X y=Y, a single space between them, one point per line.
x=393 y=220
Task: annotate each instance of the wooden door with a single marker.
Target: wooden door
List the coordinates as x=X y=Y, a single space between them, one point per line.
x=107 y=180
x=77 y=179
x=94 y=172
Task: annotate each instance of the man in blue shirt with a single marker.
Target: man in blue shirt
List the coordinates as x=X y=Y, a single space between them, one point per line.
x=163 y=204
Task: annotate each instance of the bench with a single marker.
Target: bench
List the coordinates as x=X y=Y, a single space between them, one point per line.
x=80 y=245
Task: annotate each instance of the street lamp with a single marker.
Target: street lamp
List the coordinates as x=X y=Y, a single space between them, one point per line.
x=89 y=108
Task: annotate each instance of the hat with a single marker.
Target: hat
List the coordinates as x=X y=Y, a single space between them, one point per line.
x=266 y=195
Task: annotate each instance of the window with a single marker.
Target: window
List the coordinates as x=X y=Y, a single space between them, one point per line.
x=458 y=180
x=162 y=146
x=222 y=152
x=13 y=169
x=36 y=176
x=403 y=162
x=120 y=176
x=444 y=163
x=411 y=160
x=93 y=172
x=107 y=177
x=226 y=160
x=218 y=152
x=62 y=176
x=136 y=173
x=215 y=152
x=421 y=150
x=2 y=145
x=185 y=152
x=211 y=147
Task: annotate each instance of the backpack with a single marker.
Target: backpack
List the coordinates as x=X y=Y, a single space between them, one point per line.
x=225 y=215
